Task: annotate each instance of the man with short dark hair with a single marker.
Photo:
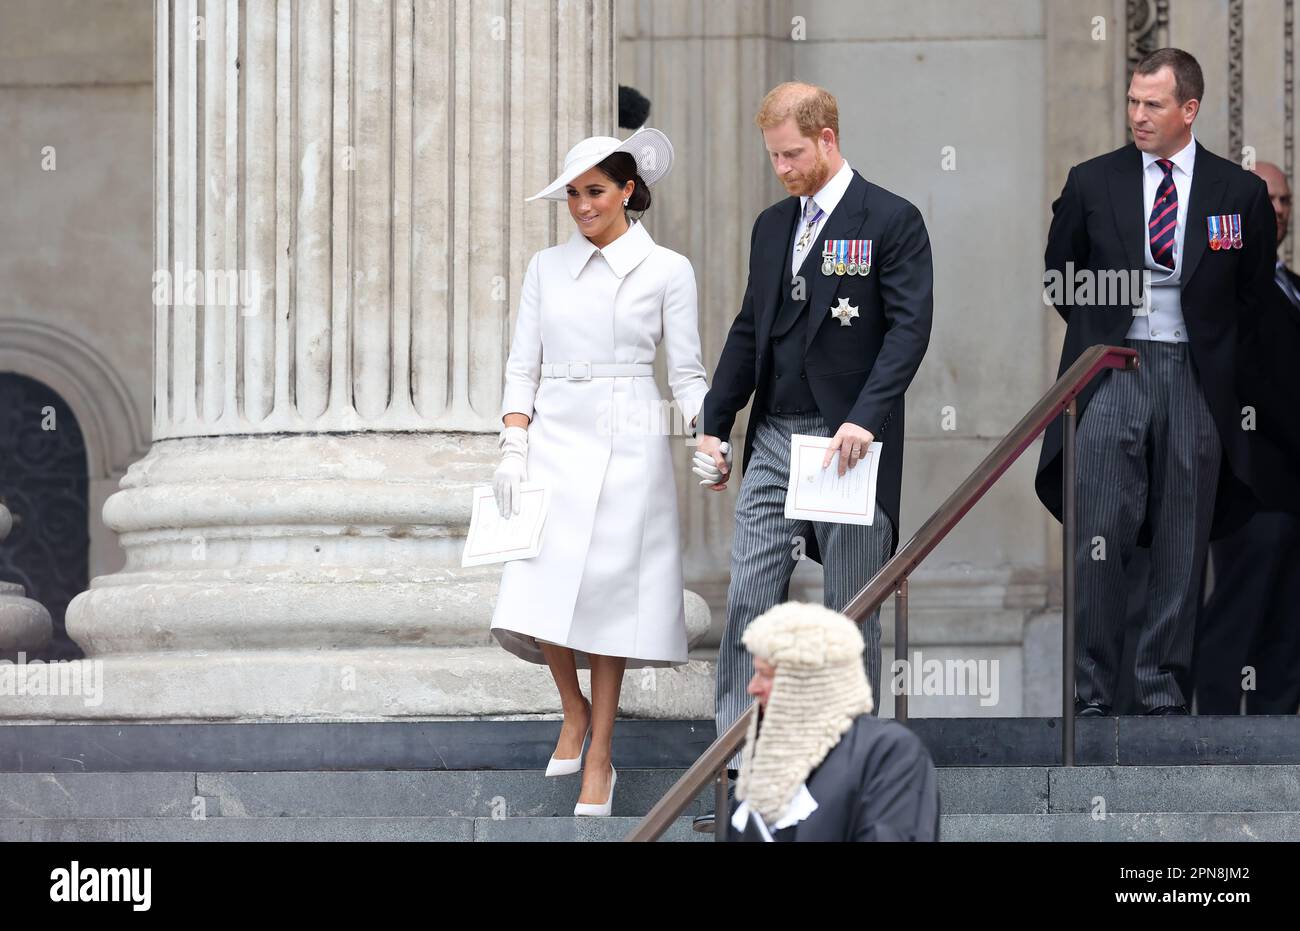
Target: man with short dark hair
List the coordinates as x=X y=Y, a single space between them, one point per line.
x=1162 y=454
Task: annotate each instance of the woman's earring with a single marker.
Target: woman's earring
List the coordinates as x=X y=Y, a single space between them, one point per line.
x=625 y=200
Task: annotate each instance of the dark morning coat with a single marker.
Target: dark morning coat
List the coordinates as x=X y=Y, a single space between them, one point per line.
x=877 y=784
x=1097 y=226
x=856 y=373
x=1270 y=382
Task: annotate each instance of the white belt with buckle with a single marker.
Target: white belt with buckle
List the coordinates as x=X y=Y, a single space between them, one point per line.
x=585 y=371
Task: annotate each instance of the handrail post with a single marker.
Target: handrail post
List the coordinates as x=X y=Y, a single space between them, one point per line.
x=1067 y=588
x=901 y=650
x=721 y=811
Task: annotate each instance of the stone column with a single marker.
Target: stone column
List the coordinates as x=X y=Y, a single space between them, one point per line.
x=705 y=68
x=1247 y=51
x=358 y=170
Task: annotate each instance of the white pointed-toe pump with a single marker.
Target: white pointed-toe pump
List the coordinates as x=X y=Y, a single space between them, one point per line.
x=602 y=810
x=559 y=767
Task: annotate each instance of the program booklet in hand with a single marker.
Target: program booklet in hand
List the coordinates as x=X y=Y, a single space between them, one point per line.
x=493 y=538
x=821 y=494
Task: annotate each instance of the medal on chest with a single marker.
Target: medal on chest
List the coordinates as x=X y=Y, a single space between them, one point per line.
x=846 y=257
x=1224 y=231
x=844 y=312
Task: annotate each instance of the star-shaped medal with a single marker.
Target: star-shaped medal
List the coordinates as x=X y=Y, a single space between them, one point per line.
x=844 y=312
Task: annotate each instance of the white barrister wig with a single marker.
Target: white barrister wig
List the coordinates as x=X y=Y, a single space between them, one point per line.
x=818 y=689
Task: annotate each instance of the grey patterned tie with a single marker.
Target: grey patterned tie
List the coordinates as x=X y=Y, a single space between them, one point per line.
x=811 y=214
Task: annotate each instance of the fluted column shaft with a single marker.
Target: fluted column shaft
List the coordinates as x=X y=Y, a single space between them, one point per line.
x=353 y=174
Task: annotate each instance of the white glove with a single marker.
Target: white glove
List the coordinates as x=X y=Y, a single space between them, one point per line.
x=513 y=469
x=703 y=465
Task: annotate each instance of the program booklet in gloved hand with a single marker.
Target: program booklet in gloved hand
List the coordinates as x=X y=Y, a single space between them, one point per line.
x=493 y=538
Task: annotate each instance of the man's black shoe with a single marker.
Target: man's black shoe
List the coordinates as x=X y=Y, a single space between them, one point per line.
x=1168 y=709
x=1090 y=709
x=703 y=824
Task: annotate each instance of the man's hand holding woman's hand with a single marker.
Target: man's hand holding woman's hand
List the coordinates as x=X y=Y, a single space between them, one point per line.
x=712 y=462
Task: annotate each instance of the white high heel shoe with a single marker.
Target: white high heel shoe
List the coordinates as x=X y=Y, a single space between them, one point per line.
x=586 y=808
x=558 y=767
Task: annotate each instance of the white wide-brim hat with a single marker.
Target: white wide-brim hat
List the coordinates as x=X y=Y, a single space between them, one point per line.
x=651 y=149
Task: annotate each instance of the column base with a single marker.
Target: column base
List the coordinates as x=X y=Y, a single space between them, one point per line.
x=330 y=685
x=25 y=625
x=313 y=577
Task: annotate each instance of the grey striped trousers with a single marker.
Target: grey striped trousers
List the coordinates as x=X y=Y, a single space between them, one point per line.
x=1149 y=449
x=763 y=556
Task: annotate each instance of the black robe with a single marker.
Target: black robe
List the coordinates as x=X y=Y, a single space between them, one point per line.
x=877 y=784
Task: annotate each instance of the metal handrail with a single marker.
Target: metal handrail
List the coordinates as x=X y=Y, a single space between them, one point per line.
x=712 y=765
x=1060 y=400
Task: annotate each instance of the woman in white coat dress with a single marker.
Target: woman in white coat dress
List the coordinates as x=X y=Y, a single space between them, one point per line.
x=583 y=416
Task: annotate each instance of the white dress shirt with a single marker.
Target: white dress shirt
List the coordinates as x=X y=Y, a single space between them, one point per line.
x=827 y=198
x=1164 y=320
x=800 y=808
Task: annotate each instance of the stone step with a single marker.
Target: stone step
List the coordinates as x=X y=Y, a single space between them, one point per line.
x=1125 y=826
x=524 y=794
x=1137 y=789
x=426 y=794
x=86 y=830
x=335 y=746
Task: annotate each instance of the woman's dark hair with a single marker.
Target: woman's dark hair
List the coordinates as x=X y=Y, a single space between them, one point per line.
x=633 y=108
x=621 y=168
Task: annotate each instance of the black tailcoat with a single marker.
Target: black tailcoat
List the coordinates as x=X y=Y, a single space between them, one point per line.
x=1097 y=226
x=857 y=373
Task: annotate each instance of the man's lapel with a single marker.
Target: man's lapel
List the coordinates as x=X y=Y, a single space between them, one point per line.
x=1125 y=183
x=1208 y=183
x=1294 y=281
x=775 y=247
x=845 y=222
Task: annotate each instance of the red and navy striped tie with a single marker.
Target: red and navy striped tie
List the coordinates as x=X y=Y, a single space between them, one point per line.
x=1164 y=217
